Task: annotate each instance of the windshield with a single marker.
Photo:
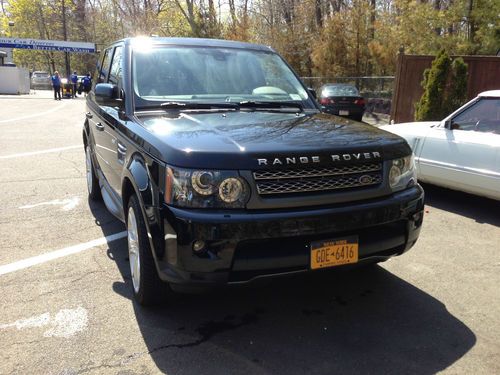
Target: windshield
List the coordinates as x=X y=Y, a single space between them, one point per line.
x=198 y=74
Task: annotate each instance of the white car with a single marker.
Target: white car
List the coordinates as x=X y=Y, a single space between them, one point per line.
x=461 y=152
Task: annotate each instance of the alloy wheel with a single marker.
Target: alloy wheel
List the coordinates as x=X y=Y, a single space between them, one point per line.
x=88 y=165
x=133 y=249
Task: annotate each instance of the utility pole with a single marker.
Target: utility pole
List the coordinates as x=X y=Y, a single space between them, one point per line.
x=65 y=36
x=11 y=31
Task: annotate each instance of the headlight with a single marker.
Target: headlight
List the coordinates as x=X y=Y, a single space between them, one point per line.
x=205 y=188
x=64 y=80
x=402 y=173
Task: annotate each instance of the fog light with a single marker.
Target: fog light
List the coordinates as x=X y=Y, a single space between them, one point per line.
x=198 y=246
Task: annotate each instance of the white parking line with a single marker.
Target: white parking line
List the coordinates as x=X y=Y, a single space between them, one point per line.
x=43 y=258
x=38 y=114
x=12 y=156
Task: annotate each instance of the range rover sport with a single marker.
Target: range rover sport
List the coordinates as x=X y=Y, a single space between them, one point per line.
x=223 y=168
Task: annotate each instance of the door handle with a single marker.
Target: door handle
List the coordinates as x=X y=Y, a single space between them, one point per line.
x=99 y=126
x=88 y=115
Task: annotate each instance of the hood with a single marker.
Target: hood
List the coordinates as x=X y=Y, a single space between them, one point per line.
x=237 y=140
x=414 y=128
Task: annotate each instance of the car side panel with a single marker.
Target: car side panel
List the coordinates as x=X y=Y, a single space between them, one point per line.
x=461 y=160
x=115 y=147
x=100 y=135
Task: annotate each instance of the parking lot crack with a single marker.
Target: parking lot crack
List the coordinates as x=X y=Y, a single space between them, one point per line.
x=206 y=331
x=57 y=290
x=98 y=367
x=19 y=343
x=76 y=166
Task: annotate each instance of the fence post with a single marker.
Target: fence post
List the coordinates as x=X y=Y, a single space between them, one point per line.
x=395 y=93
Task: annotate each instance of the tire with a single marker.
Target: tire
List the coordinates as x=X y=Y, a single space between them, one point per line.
x=147 y=287
x=92 y=179
x=358 y=118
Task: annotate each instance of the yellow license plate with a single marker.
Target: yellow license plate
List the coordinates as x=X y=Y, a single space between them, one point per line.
x=329 y=253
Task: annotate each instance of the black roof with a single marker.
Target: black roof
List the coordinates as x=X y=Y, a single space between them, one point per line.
x=200 y=42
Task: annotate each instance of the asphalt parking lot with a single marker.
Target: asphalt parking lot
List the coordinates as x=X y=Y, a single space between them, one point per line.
x=65 y=288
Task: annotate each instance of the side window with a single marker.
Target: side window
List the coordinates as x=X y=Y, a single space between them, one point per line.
x=483 y=116
x=115 y=72
x=103 y=74
x=99 y=65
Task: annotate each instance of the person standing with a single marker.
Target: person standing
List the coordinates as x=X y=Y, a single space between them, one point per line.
x=56 y=84
x=87 y=83
x=74 y=82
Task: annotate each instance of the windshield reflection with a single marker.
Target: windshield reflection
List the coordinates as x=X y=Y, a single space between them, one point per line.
x=200 y=74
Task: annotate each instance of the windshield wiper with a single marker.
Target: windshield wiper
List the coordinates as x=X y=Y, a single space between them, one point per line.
x=270 y=105
x=263 y=105
x=198 y=105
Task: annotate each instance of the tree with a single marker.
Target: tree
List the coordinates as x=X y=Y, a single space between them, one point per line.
x=457 y=86
x=317 y=37
x=430 y=105
x=445 y=88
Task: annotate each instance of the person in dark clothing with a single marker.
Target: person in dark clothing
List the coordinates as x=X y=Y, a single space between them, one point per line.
x=87 y=83
x=74 y=82
x=56 y=84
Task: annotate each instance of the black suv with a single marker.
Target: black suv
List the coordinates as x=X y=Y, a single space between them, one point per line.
x=224 y=169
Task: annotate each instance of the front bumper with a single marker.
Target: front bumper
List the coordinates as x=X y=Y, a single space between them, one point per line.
x=247 y=245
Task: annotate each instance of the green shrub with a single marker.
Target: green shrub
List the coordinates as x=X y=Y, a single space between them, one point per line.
x=445 y=88
x=457 y=93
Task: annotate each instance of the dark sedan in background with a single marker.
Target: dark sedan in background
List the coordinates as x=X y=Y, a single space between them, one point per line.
x=342 y=100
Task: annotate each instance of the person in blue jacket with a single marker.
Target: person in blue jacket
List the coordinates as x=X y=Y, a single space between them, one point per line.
x=74 y=82
x=87 y=83
x=56 y=84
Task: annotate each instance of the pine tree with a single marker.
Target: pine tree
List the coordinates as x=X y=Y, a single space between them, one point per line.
x=430 y=105
x=457 y=93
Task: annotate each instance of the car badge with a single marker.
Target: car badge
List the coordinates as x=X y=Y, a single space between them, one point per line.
x=365 y=179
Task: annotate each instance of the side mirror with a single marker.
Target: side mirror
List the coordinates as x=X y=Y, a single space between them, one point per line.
x=450 y=125
x=312 y=92
x=108 y=95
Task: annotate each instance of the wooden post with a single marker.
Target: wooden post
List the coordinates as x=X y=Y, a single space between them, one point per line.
x=397 y=81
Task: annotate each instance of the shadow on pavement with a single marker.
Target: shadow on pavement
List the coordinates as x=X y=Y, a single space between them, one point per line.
x=482 y=210
x=367 y=320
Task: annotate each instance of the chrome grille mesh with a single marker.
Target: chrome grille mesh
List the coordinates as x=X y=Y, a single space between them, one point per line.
x=275 y=174
x=271 y=182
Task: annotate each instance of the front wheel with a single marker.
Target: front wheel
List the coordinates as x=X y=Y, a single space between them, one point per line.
x=147 y=287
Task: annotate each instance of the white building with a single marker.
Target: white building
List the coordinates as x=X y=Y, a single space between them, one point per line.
x=13 y=80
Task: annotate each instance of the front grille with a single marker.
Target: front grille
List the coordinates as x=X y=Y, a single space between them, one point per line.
x=270 y=182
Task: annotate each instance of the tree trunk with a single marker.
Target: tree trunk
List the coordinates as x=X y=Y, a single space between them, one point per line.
x=437 y=7
x=190 y=16
x=319 y=14
x=65 y=37
x=232 y=12
x=471 y=24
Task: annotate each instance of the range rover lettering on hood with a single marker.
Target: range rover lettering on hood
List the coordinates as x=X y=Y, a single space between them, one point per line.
x=316 y=159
